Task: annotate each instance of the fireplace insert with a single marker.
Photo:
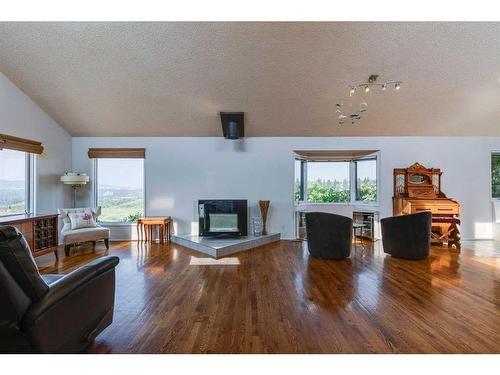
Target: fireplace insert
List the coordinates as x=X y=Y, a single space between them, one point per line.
x=223 y=217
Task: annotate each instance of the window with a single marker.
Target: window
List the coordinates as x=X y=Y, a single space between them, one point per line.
x=15 y=182
x=328 y=181
x=299 y=176
x=119 y=189
x=366 y=180
x=495 y=175
x=336 y=181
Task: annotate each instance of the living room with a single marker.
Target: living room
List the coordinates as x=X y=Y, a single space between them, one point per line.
x=250 y=187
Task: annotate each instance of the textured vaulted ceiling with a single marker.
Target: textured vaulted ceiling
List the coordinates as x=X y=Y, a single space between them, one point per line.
x=172 y=79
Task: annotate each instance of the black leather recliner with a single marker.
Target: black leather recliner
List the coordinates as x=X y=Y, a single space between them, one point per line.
x=407 y=236
x=329 y=236
x=53 y=313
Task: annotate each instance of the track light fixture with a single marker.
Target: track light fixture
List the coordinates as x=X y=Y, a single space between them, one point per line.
x=353 y=116
x=372 y=82
x=356 y=113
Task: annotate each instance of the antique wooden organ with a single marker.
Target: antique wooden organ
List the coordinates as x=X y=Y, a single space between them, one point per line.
x=418 y=189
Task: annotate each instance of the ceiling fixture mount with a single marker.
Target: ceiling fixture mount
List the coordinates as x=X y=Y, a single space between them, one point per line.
x=372 y=82
x=233 y=124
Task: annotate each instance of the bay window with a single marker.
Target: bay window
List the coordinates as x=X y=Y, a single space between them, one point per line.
x=338 y=180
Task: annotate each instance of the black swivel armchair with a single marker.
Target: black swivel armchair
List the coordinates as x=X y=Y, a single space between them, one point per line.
x=407 y=236
x=329 y=236
x=54 y=313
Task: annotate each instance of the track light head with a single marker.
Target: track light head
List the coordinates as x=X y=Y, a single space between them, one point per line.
x=367 y=88
x=384 y=86
x=352 y=90
x=397 y=86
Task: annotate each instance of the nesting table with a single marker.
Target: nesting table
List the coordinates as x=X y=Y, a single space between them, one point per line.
x=146 y=228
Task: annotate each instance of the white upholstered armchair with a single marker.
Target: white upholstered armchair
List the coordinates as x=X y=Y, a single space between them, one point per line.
x=72 y=234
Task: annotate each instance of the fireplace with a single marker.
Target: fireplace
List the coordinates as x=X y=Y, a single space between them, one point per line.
x=223 y=217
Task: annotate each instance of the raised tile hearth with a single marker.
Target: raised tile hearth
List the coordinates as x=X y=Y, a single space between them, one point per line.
x=219 y=247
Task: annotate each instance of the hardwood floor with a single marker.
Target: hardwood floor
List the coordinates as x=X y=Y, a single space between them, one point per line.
x=280 y=300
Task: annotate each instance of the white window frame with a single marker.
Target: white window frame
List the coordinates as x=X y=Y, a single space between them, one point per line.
x=93 y=195
x=303 y=175
x=31 y=183
x=352 y=182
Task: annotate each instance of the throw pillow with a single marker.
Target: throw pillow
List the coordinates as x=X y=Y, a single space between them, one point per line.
x=82 y=220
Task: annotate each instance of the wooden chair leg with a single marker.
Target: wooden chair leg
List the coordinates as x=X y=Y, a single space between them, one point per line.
x=67 y=249
x=106 y=243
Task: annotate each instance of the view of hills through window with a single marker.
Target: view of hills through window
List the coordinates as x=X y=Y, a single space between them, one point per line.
x=120 y=189
x=12 y=182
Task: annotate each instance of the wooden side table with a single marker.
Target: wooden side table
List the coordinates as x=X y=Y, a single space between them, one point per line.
x=146 y=227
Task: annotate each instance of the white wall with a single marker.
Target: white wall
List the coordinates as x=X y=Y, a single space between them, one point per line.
x=179 y=171
x=21 y=117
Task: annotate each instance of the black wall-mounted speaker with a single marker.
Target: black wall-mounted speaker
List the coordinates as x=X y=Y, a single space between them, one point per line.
x=233 y=125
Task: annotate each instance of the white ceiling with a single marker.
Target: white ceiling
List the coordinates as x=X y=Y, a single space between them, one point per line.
x=172 y=79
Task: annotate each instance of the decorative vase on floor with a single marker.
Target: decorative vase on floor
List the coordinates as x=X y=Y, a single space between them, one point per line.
x=264 y=207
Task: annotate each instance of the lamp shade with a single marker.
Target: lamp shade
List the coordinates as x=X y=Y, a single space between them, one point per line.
x=73 y=178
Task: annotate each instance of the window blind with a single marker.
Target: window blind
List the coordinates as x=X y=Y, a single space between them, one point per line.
x=333 y=155
x=117 y=153
x=20 y=144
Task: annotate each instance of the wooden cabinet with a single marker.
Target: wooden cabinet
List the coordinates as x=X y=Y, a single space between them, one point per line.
x=40 y=231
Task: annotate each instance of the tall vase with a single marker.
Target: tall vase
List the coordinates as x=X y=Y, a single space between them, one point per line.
x=264 y=207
